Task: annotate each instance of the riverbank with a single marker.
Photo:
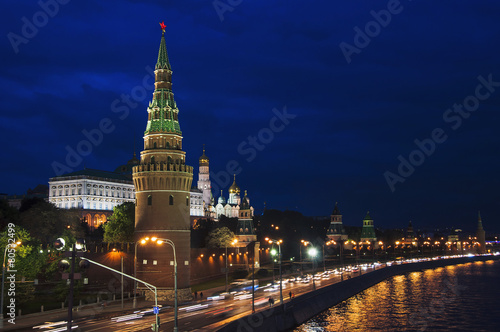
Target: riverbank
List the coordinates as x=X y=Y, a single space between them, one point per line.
x=305 y=307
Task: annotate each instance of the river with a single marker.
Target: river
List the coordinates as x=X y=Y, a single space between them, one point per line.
x=462 y=297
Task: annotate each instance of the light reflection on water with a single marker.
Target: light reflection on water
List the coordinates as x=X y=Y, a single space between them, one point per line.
x=457 y=297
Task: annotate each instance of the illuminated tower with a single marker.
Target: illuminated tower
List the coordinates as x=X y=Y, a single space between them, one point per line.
x=336 y=231
x=204 y=179
x=480 y=234
x=162 y=183
x=368 y=231
x=245 y=232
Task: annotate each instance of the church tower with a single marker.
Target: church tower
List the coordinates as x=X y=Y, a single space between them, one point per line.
x=204 y=179
x=480 y=235
x=162 y=183
x=234 y=193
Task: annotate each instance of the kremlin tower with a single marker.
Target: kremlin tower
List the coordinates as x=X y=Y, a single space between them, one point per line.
x=480 y=235
x=162 y=182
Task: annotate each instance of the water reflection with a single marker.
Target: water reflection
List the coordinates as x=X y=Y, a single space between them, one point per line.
x=459 y=298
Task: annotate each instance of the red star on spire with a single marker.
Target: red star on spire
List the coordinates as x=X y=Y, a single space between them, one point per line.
x=163 y=26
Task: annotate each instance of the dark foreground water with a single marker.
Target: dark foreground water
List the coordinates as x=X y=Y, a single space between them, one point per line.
x=463 y=297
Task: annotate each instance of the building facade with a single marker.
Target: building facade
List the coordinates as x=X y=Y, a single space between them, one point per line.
x=94 y=192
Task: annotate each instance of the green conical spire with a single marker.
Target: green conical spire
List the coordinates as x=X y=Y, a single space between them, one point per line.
x=163 y=62
x=163 y=111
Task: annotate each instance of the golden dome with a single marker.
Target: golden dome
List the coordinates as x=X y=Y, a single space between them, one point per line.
x=234 y=189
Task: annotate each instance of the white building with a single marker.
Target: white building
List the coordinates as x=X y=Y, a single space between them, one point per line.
x=95 y=192
x=196 y=203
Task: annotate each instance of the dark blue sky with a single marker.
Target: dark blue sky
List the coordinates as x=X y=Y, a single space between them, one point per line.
x=355 y=101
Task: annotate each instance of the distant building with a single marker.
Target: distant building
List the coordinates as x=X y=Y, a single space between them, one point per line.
x=40 y=191
x=410 y=240
x=336 y=231
x=368 y=231
x=480 y=235
x=94 y=192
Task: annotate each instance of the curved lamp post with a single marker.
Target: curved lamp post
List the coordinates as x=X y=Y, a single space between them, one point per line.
x=278 y=242
x=143 y=241
x=171 y=243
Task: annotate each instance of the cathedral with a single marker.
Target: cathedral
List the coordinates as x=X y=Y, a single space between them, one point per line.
x=234 y=206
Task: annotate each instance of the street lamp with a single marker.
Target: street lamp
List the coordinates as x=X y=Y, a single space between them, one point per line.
x=143 y=241
x=149 y=286
x=278 y=242
x=232 y=243
x=327 y=243
x=11 y=245
x=305 y=243
x=313 y=252
x=169 y=242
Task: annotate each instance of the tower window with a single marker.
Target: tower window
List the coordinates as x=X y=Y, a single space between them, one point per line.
x=187 y=201
x=150 y=200
x=171 y=200
x=154 y=145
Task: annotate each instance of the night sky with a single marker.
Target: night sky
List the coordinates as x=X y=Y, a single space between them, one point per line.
x=385 y=106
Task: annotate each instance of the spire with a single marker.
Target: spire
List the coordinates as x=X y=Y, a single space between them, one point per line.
x=336 y=211
x=479 y=221
x=162 y=110
x=368 y=216
x=163 y=62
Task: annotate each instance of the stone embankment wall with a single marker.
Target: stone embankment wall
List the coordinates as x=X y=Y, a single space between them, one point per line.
x=305 y=307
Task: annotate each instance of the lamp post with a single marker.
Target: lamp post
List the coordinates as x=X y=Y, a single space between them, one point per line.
x=13 y=245
x=134 y=302
x=327 y=244
x=149 y=286
x=305 y=243
x=313 y=252
x=232 y=243
x=278 y=242
x=169 y=242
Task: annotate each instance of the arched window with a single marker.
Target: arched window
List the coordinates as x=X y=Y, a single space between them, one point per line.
x=150 y=200
x=187 y=201
x=171 y=200
x=154 y=145
x=153 y=158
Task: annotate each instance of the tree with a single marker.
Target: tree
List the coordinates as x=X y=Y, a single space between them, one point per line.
x=7 y=214
x=120 y=226
x=220 y=238
x=45 y=222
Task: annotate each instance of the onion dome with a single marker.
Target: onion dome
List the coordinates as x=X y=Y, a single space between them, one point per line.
x=221 y=200
x=204 y=159
x=234 y=189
